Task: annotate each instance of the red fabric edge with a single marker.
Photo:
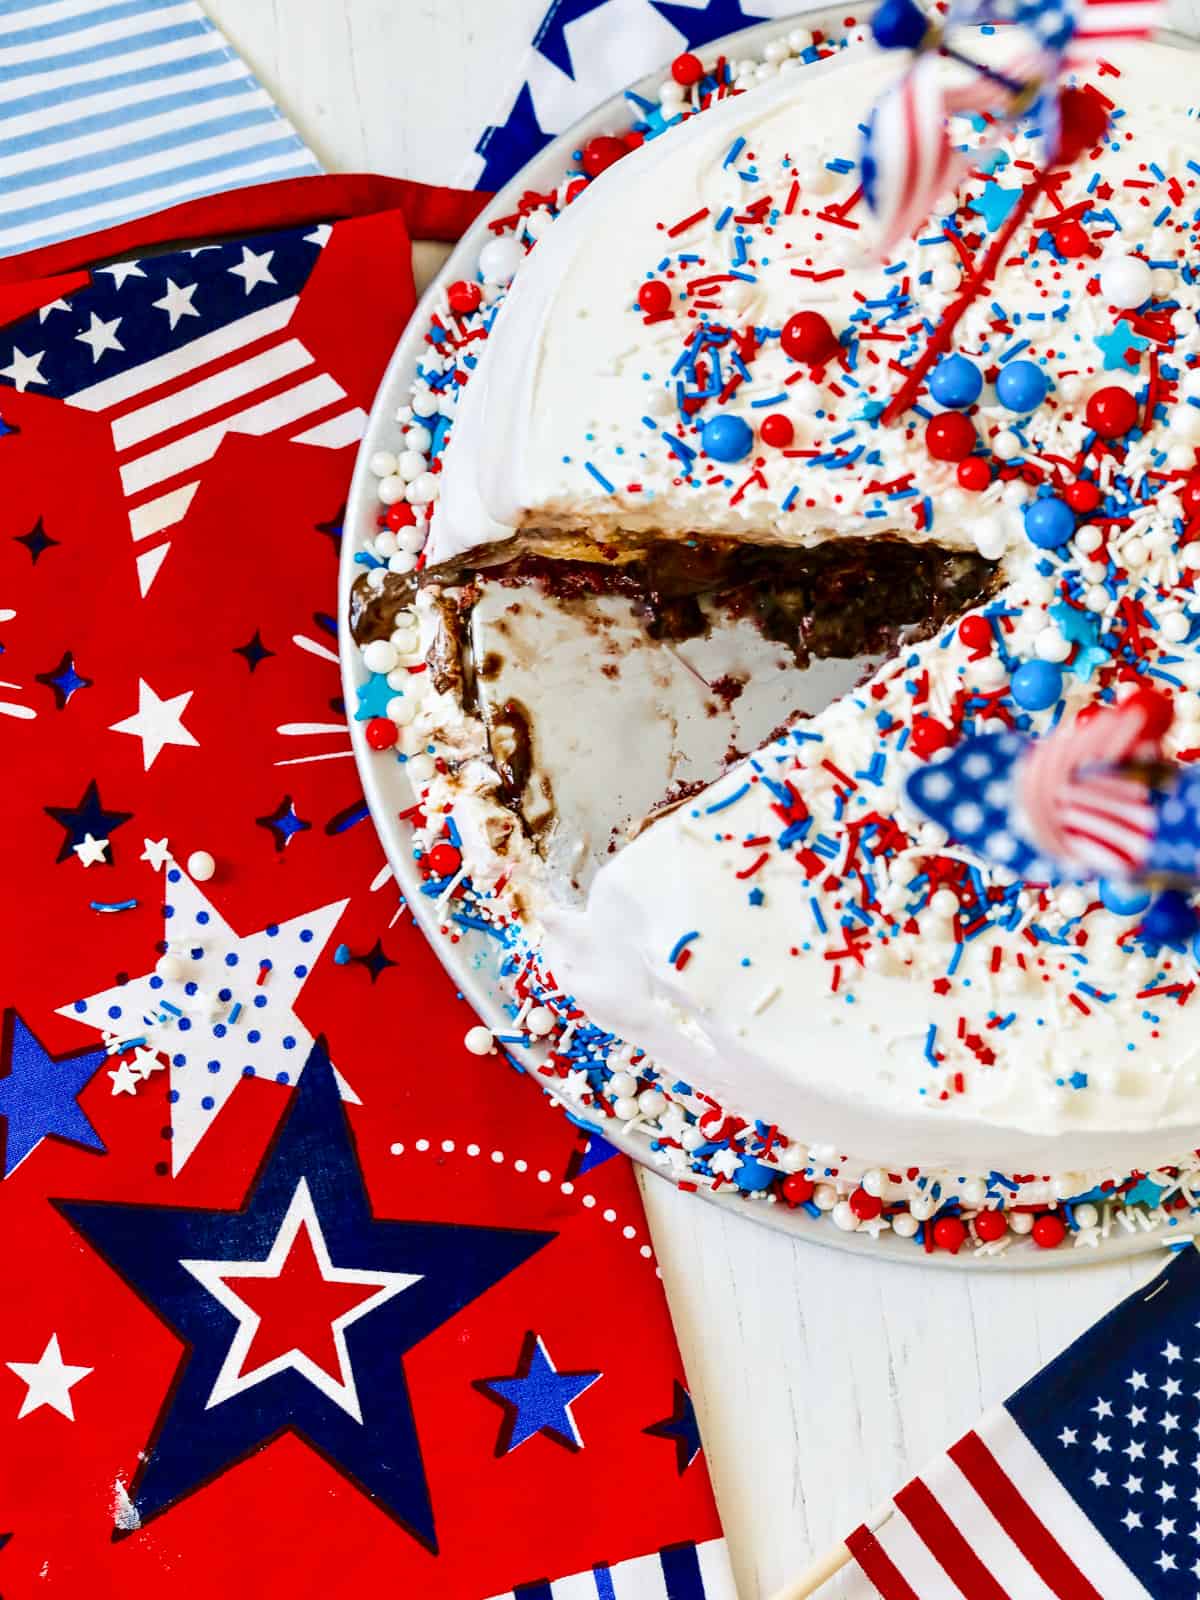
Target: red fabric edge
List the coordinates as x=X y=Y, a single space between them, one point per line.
x=430 y=213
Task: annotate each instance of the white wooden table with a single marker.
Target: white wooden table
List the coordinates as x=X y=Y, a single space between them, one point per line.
x=821 y=1379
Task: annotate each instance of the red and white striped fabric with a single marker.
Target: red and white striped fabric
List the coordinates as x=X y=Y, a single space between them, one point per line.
x=1077 y=809
x=911 y=161
x=1100 y=22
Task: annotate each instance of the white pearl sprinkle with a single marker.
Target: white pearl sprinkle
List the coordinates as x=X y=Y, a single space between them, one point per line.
x=479 y=1042
x=201 y=866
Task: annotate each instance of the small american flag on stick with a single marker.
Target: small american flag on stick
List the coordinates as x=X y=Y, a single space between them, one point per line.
x=1081 y=1486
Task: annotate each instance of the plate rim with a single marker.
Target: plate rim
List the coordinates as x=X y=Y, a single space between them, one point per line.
x=378 y=781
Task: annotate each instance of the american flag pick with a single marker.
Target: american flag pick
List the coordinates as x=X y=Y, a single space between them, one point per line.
x=1081 y=1486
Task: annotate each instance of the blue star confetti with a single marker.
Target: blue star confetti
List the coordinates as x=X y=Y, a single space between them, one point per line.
x=39 y=1094
x=89 y=816
x=284 y=823
x=254 y=651
x=1122 y=348
x=197 y=1437
x=994 y=205
x=681 y=1427
x=63 y=681
x=37 y=541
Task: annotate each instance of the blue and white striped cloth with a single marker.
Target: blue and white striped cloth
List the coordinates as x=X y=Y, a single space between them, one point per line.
x=114 y=110
x=682 y=1572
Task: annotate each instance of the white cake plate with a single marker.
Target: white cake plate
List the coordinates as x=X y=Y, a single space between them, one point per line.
x=471 y=962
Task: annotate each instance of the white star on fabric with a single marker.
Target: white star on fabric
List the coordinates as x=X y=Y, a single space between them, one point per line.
x=124 y=1079
x=1137 y=1415
x=254 y=269
x=1137 y=1381
x=24 y=369
x=1132 y=1485
x=1131 y=1520
x=1171 y=1354
x=1165 y=1527
x=53 y=305
x=177 y=302
x=320 y=235
x=1102 y=1409
x=121 y=270
x=1068 y=1436
x=1135 y=1451
x=218 y=960
x=1100 y=1479
x=157 y=723
x=157 y=852
x=48 y=1381
x=1169 y=1423
x=1100 y=1444
x=1166 y=1561
x=1172 y=1387
x=231 y=1380
x=101 y=336
x=1165 y=1492
x=91 y=851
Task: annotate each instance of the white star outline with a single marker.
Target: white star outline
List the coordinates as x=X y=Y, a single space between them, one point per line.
x=231 y=1380
x=157 y=723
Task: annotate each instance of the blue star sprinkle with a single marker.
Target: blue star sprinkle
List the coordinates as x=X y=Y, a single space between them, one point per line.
x=1122 y=348
x=63 y=681
x=537 y=1398
x=39 y=1094
x=681 y=1427
x=197 y=1437
x=284 y=823
x=373 y=697
x=994 y=205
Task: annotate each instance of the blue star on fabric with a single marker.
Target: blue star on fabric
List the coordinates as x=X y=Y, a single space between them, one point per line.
x=254 y=651
x=551 y=40
x=506 y=147
x=63 y=681
x=1122 y=348
x=284 y=823
x=195 y=1438
x=37 y=541
x=39 y=1093
x=701 y=24
x=681 y=1427
x=7 y=428
x=994 y=205
x=373 y=697
x=537 y=1398
x=89 y=816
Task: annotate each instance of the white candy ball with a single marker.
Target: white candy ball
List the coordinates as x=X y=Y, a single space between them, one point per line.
x=691 y=1138
x=626 y=1107
x=1050 y=645
x=1185 y=422
x=1180 y=457
x=622 y=1085
x=1190 y=555
x=201 y=866
x=1088 y=539
x=1175 y=627
x=652 y=1102
x=384 y=544
x=382 y=463
x=418 y=438
x=1070 y=387
x=1133 y=554
x=400 y=709
x=799 y=39
x=1096 y=598
x=844 y=1218
x=500 y=259
x=990 y=538
x=1189 y=384
x=1126 y=281
x=1162 y=283
x=904 y=1224
x=922 y=1207
x=793 y=1159
x=874 y=1181
x=807 y=397
x=411 y=465
x=540 y=1021
x=672 y=94
x=825 y=1197
x=420 y=767
x=1087 y=1215
x=1072 y=902
x=766 y=70
x=778 y=50
x=1006 y=446
x=423 y=490
x=379 y=656
x=392 y=489
x=974 y=1192
x=1020 y=1221
x=479 y=1041
x=404 y=415
x=169 y=968
x=943 y=903
x=403 y=561
x=946 y=277
x=411 y=539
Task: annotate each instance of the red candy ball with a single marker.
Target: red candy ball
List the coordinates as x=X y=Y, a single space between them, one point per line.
x=444 y=859
x=990 y=1226
x=601 y=152
x=1112 y=412
x=974 y=473
x=687 y=70
x=950 y=1233
x=1072 y=240
x=464 y=297
x=1049 y=1231
x=808 y=337
x=976 y=633
x=1190 y=495
x=928 y=737
x=865 y=1206
x=1083 y=123
x=797 y=1189
x=1082 y=497
x=777 y=430
x=950 y=437
x=1158 y=712
x=655 y=298
x=401 y=515
x=382 y=733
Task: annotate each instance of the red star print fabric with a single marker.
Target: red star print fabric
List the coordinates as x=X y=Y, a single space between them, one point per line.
x=300 y=1296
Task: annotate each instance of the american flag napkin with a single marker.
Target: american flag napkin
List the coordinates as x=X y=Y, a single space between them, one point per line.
x=584 y=51
x=115 y=110
x=1082 y=1486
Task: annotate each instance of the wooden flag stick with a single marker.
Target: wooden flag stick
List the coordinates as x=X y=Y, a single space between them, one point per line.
x=831 y=1563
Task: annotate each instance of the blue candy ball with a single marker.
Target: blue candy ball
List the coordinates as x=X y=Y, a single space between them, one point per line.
x=1123 y=899
x=1170 y=920
x=1036 y=685
x=1049 y=523
x=899 y=25
x=753 y=1175
x=1022 y=386
x=956 y=383
x=727 y=438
